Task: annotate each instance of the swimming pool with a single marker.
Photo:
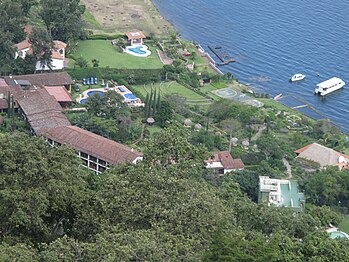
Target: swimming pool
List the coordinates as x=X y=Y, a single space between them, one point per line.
x=338 y=234
x=140 y=50
x=130 y=96
x=100 y=93
x=137 y=50
x=83 y=101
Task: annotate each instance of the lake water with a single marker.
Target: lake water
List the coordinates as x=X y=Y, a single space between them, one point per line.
x=272 y=40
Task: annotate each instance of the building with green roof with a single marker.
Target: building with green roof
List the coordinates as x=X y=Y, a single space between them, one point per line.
x=280 y=192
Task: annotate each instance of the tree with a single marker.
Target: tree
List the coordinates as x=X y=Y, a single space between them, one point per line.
x=12 y=20
x=230 y=125
x=63 y=19
x=6 y=50
x=164 y=114
x=42 y=45
x=95 y=63
x=40 y=187
x=27 y=5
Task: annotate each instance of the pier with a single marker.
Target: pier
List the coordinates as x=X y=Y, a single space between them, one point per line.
x=222 y=54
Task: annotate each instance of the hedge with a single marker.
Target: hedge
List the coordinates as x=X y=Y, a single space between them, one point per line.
x=104 y=37
x=132 y=76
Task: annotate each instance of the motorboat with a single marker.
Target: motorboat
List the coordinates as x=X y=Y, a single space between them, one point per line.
x=297 y=77
x=279 y=96
x=329 y=86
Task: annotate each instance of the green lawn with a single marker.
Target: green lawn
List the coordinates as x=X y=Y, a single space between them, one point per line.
x=344 y=225
x=169 y=88
x=108 y=55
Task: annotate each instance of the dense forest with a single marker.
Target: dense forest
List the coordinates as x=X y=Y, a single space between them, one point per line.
x=166 y=208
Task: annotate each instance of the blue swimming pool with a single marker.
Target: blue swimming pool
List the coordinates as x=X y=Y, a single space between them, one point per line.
x=137 y=50
x=83 y=101
x=130 y=96
x=90 y=93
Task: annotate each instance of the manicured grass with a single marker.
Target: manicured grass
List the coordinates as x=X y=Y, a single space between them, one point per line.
x=344 y=225
x=108 y=55
x=169 y=88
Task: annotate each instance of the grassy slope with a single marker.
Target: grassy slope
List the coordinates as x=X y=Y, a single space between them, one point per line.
x=170 y=88
x=108 y=55
x=344 y=225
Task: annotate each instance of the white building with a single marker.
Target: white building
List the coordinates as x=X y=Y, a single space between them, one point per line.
x=58 y=52
x=223 y=163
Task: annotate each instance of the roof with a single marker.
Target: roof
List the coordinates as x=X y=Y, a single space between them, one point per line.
x=50 y=119
x=60 y=93
x=39 y=101
x=320 y=154
x=3 y=82
x=23 y=82
x=330 y=82
x=281 y=192
x=92 y=144
x=135 y=35
x=28 y=29
x=23 y=45
x=59 y=44
x=227 y=160
x=44 y=79
x=56 y=55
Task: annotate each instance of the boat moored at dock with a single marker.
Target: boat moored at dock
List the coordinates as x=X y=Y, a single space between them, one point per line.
x=329 y=86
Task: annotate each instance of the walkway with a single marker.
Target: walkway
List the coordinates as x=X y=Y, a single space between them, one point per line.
x=259 y=133
x=288 y=167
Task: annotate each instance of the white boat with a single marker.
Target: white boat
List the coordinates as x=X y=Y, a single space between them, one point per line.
x=329 y=86
x=297 y=77
x=279 y=96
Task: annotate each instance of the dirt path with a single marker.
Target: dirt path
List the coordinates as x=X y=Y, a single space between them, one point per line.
x=126 y=15
x=259 y=133
x=288 y=167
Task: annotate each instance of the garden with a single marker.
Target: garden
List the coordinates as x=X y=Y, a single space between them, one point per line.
x=108 y=55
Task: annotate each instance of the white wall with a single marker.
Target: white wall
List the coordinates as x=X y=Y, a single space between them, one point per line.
x=57 y=64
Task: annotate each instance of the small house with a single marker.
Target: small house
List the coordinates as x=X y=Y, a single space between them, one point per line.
x=222 y=163
x=135 y=38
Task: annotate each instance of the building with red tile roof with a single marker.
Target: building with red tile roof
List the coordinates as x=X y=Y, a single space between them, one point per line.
x=135 y=38
x=45 y=117
x=323 y=155
x=223 y=162
x=60 y=93
x=24 y=48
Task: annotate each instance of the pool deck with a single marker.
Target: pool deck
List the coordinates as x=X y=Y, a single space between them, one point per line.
x=120 y=89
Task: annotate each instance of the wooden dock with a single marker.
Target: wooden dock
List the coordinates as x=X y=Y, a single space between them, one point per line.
x=222 y=54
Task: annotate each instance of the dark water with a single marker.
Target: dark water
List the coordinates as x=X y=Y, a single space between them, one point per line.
x=272 y=40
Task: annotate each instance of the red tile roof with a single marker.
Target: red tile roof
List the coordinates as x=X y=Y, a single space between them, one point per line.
x=59 y=44
x=56 y=55
x=44 y=79
x=48 y=120
x=39 y=101
x=227 y=160
x=23 y=45
x=135 y=35
x=60 y=93
x=92 y=144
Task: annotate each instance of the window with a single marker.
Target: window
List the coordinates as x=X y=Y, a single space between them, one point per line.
x=101 y=168
x=94 y=159
x=85 y=163
x=84 y=155
x=102 y=162
x=93 y=165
